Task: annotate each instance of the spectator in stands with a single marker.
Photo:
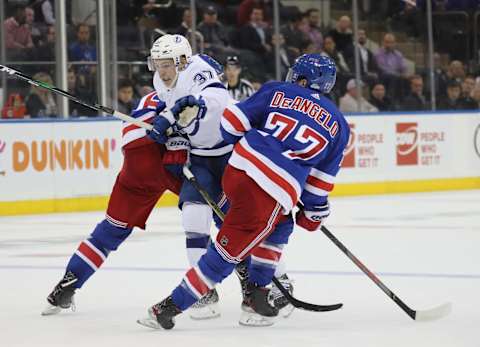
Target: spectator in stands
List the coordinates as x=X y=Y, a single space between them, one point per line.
x=214 y=33
x=287 y=56
x=186 y=24
x=467 y=100
x=415 y=100
x=343 y=70
x=453 y=100
x=75 y=88
x=40 y=101
x=34 y=28
x=313 y=29
x=82 y=50
x=342 y=34
x=391 y=63
x=245 y=9
x=456 y=71
x=349 y=102
x=17 y=35
x=379 y=99
x=295 y=39
x=389 y=59
x=253 y=36
x=368 y=64
x=330 y=49
x=46 y=46
x=476 y=95
x=439 y=76
x=126 y=101
x=238 y=88
x=409 y=20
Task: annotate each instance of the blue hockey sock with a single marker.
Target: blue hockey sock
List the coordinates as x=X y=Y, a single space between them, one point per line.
x=212 y=269
x=92 y=252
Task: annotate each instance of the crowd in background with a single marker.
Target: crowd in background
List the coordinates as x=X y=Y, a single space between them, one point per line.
x=239 y=34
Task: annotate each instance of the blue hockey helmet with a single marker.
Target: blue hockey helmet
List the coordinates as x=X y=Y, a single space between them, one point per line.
x=319 y=71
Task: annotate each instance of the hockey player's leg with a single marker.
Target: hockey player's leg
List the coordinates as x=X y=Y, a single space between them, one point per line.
x=197 y=220
x=138 y=186
x=89 y=256
x=251 y=218
x=196 y=284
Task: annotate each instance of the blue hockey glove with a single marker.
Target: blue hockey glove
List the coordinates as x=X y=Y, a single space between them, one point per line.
x=187 y=110
x=159 y=131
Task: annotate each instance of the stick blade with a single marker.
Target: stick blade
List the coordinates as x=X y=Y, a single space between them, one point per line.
x=433 y=313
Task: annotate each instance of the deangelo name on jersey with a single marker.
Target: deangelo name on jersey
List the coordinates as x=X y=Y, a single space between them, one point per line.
x=307 y=107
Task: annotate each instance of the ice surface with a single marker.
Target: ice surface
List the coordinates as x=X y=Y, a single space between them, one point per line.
x=424 y=247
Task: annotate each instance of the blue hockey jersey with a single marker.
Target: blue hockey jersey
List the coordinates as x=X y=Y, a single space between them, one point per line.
x=290 y=140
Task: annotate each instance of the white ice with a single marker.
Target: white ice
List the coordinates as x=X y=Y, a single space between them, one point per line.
x=425 y=248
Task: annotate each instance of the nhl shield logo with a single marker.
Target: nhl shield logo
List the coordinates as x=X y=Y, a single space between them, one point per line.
x=224 y=241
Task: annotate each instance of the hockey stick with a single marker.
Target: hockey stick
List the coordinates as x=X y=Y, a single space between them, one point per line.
x=95 y=107
x=295 y=302
x=417 y=315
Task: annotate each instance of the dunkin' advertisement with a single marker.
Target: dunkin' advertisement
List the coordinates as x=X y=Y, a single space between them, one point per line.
x=58 y=159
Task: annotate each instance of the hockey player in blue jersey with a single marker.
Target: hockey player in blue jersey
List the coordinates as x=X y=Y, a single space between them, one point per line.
x=288 y=146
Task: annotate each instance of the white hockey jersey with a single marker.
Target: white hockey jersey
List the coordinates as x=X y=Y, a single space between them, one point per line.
x=198 y=79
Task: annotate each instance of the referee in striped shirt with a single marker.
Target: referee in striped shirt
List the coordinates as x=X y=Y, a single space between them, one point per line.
x=238 y=88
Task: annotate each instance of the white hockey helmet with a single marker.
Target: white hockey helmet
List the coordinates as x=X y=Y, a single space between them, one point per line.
x=170 y=47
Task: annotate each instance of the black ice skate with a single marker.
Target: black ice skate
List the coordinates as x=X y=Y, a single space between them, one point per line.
x=161 y=315
x=257 y=307
x=207 y=307
x=62 y=295
x=278 y=299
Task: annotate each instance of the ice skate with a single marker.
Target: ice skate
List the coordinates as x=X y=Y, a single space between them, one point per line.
x=62 y=295
x=207 y=307
x=257 y=307
x=161 y=315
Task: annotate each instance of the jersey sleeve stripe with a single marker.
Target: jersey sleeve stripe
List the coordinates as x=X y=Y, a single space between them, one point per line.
x=319 y=183
x=229 y=127
x=314 y=190
x=322 y=176
x=238 y=113
x=234 y=121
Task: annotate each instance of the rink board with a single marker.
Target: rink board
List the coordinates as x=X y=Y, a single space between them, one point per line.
x=65 y=166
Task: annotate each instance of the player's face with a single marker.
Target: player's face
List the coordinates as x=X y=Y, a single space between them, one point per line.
x=166 y=70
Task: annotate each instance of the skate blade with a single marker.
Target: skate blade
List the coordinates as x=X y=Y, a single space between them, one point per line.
x=287 y=311
x=204 y=312
x=51 y=310
x=149 y=323
x=252 y=319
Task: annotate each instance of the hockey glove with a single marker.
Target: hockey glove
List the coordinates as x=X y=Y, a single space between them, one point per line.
x=178 y=148
x=160 y=125
x=312 y=220
x=187 y=110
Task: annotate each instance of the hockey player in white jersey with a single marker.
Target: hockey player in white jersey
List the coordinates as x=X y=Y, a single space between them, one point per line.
x=195 y=100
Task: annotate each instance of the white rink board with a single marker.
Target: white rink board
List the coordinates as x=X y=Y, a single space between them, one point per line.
x=52 y=160
x=382 y=148
x=410 y=147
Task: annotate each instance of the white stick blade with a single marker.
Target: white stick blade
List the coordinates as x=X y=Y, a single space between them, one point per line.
x=434 y=313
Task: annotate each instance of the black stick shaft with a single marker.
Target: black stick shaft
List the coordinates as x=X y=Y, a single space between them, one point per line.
x=95 y=106
x=369 y=273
